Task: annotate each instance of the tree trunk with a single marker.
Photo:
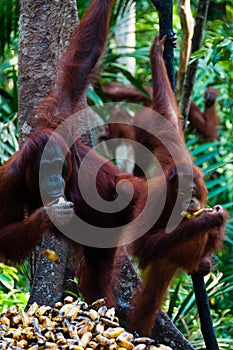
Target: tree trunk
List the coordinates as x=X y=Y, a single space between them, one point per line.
x=45 y=30
x=190 y=74
x=187 y=25
x=126 y=37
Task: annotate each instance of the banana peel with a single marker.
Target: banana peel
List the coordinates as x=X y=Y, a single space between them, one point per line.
x=188 y=215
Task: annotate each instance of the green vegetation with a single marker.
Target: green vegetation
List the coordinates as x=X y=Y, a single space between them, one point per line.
x=14 y=287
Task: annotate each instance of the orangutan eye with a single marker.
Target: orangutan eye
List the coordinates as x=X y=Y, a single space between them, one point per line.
x=194 y=192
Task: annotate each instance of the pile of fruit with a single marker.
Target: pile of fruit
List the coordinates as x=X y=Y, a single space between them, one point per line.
x=72 y=325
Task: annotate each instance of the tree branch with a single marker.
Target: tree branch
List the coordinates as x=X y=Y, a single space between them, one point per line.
x=165 y=10
x=187 y=26
x=190 y=74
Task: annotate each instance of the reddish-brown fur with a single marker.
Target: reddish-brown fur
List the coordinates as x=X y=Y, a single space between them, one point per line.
x=116 y=92
x=19 y=189
x=206 y=123
x=19 y=193
x=159 y=252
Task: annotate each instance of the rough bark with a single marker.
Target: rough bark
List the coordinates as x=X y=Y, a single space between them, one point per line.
x=49 y=280
x=45 y=30
x=164 y=331
x=129 y=282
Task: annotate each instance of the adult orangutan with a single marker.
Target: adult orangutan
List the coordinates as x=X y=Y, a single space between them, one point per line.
x=54 y=170
x=185 y=233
